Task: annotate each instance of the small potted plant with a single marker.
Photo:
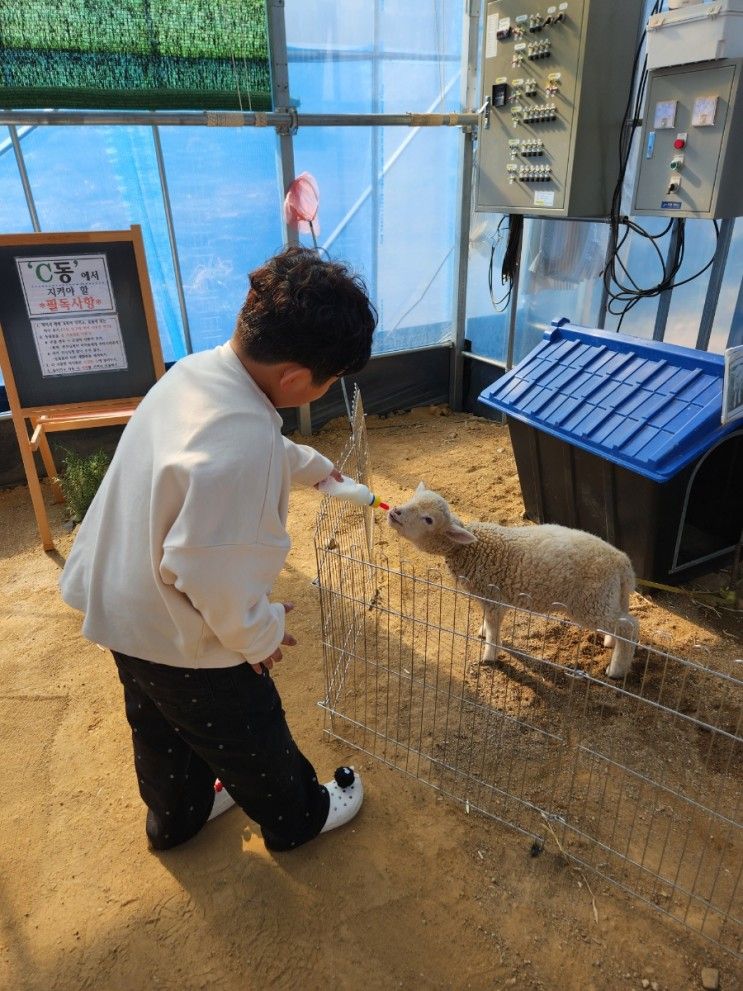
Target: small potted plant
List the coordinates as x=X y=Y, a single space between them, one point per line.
x=81 y=475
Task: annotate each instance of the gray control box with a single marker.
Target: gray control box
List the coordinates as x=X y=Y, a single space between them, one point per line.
x=558 y=78
x=692 y=138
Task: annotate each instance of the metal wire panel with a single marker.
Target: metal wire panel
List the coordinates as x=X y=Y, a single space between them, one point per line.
x=639 y=781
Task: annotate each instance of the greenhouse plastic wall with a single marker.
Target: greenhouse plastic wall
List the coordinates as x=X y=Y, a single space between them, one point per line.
x=225 y=218
x=376 y=214
x=14 y=213
x=382 y=207
x=388 y=200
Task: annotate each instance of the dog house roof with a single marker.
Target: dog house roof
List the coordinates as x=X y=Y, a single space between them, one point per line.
x=649 y=406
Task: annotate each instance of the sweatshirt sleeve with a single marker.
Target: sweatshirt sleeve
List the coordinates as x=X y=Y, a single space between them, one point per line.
x=307 y=466
x=227 y=586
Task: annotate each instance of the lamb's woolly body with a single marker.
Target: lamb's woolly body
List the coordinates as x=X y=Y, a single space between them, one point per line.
x=551 y=564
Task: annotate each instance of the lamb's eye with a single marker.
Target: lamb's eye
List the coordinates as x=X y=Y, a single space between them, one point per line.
x=427 y=519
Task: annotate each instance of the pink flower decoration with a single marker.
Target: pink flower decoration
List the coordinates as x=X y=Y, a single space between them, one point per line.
x=301 y=204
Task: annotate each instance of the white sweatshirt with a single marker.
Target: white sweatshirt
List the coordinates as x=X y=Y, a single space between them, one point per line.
x=177 y=554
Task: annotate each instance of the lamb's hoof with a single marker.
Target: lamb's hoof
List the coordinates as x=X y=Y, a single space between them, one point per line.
x=609 y=640
x=490 y=655
x=616 y=674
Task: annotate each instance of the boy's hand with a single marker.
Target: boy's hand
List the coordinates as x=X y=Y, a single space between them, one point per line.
x=287 y=640
x=334 y=474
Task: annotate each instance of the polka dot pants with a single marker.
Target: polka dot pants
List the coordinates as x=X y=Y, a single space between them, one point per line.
x=191 y=726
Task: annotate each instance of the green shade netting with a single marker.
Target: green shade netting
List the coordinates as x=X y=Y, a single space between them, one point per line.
x=134 y=54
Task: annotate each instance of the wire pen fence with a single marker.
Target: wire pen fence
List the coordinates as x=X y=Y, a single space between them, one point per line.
x=638 y=781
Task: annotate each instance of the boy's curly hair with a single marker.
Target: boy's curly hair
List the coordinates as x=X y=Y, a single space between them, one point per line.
x=304 y=309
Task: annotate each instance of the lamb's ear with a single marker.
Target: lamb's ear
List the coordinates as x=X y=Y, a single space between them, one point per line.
x=458 y=535
x=421 y=488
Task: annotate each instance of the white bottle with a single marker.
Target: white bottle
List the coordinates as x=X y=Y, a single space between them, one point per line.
x=351 y=491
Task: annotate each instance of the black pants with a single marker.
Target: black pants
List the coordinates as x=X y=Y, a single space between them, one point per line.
x=192 y=726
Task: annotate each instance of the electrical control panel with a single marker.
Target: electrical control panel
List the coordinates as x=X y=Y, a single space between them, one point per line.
x=692 y=139
x=558 y=78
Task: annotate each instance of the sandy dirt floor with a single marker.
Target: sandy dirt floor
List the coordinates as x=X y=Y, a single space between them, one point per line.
x=415 y=894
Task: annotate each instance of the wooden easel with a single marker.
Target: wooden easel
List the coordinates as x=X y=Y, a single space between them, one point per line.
x=44 y=418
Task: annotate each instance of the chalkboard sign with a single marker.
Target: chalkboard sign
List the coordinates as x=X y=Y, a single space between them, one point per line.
x=74 y=318
x=78 y=339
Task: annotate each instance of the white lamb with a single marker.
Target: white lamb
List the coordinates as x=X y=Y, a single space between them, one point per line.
x=589 y=577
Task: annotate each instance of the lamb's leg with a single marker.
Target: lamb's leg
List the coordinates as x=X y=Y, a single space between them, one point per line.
x=609 y=640
x=491 y=627
x=624 y=650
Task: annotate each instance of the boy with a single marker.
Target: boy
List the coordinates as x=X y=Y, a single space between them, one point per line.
x=175 y=558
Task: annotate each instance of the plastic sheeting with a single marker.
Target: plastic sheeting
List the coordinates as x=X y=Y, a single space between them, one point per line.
x=388 y=195
x=562 y=255
x=106 y=178
x=388 y=383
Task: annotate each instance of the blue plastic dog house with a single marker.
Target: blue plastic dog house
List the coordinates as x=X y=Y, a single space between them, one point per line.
x=622 y=437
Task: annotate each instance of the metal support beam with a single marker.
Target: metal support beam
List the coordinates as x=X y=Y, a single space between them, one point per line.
x=20 y=162
x=279 y=118
x=664 y=301
x=285 y=129
x=376 y=155
x=172 y=240
x=604 y=302
x=473 y=356
x=714 y=285
x=285 y=117
x=735 y=337
x=456 y=383
x=513 y=308
x=471 y=44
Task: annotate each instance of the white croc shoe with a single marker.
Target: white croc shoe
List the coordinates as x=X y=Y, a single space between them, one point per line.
x=222 y=800
x=346 y=795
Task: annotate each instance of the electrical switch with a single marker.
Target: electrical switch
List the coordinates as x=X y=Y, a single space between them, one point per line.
x=553 y=84
x=535 y=22
x=674 y=184
x=679 y=143
x=519 y=53
x=500 y=94
x=677 y=163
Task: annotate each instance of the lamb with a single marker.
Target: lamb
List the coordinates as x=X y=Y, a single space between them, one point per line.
x=589 y=577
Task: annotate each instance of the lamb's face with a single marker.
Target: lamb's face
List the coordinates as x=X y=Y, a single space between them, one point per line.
x=426 y=521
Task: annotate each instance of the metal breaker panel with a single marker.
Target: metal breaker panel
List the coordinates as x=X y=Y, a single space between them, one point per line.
x=558 y=79
x=692 y=138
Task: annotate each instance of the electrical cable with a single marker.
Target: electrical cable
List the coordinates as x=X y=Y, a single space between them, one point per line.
x=497 y=304
x=510 y=262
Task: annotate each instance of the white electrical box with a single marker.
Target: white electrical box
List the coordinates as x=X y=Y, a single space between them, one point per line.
x=699 y=33
x=558 y=79
x=692 y=140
